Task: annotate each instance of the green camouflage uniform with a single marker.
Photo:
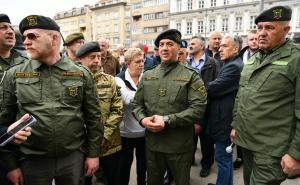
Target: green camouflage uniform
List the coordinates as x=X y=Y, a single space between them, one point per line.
x=111 y=108
x=176 y=91
x=267 y=112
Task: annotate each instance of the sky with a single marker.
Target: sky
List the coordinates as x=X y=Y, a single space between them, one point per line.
x=18 y=9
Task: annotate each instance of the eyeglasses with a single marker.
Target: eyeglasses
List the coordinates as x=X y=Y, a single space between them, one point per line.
x=6 y=27
x=31 y=36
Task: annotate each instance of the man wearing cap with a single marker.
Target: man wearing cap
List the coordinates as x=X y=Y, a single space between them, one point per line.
x=63 y=98
x=208 y=69
x=111 y=108
x=266 y=122
x=72 y=44
x=170 y=98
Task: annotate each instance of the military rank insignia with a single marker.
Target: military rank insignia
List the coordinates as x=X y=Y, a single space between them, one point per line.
x=32 y=20
x=162 y=92
x=73 y=91
x=202 y=90
x=277 y=13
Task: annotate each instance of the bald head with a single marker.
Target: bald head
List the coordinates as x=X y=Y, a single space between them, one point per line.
x=214 y=40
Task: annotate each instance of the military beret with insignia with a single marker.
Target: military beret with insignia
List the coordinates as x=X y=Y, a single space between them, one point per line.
x=4 y=18
x=72 y=37
x=38 y=22
x=183 y=44
x=171 y=34
x=276 y=13
x=88 y=48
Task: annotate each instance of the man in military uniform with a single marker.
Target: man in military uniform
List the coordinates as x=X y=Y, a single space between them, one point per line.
x=63 y=98
x=111 y=108
x=8 y=58
x=169 y=100
x=266 y=122
x=72 y=44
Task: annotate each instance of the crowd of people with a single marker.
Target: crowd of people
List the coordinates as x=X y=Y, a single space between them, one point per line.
x=96 y=109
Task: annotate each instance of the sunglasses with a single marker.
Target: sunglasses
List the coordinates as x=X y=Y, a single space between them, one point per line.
x=30 y=36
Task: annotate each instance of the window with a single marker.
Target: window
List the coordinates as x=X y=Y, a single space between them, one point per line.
x=225 y=24
x=298 y=22
x=149 y=42
x=252 y=23
x=212 y=25
x=200 y=27
x=127 y=27
x=149 y=16
x=160 y=2
x=136 y=6
x=81 y=20
x=189 y=26
x=240 y=1
x=190 y=4
x=238 y=23
x=213 y=3
x=160 y=15
x=226 y=2
x=201 y=3
x=116 y=28
x=149 y=3
x=178 y=3
x=116 y=40
x=178 y=26
x=149 y=30
x=161 y=28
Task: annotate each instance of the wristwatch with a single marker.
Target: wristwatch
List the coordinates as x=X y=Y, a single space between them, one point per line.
x=166 y=120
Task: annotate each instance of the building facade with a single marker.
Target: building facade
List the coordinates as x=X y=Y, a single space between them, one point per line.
x=235 y=17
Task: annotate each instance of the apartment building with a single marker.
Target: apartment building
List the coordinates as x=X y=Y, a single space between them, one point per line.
x=149 y=18
x=200 y=17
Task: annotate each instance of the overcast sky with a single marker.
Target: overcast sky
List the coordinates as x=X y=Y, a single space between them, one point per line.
x=18 y=9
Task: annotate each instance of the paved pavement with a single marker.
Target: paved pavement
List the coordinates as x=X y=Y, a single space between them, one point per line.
x=197 y=180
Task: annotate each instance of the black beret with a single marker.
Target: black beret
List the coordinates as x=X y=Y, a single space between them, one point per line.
x=171 y=34
x=276 y=13
x=88 y=48
x=183 y=44
x=38 y=21
x=72 y=37
x=4 y=18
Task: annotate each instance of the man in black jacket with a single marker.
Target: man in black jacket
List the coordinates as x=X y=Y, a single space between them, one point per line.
x=221 y=93
x=208 y=69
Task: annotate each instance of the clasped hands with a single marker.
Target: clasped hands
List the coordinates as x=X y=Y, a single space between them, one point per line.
x=154 y=123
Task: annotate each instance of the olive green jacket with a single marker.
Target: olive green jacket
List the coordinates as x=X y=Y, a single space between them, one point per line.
x=267 y=107
x=5 y=63
x=177 y=91
x=111 y=108
x=64 y=100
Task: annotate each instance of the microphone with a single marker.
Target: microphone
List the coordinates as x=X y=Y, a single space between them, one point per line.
x=229 y=148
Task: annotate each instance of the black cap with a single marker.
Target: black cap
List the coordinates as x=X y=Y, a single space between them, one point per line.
x=88 y=48
x=38 y=21
x=4 y=18
x=72 y=37
x=276 y=13
x=183 y=44
x=171 y=34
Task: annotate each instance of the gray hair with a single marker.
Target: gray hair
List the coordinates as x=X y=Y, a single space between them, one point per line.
x=131 y=52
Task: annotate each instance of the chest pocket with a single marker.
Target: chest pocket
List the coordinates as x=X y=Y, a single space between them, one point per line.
x=177 y=92
x=273 y=80
x=105 y=97
x=73 y=90
x=29 y=90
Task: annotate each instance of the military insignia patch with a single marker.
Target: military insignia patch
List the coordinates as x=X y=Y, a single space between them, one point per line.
x=277 y=13
x=73 y=73
x=73 y=91
x=202 y=90
x=178 y=38
x=162 y=92
x=151 y=78
x=32 y=20
x=27 y=74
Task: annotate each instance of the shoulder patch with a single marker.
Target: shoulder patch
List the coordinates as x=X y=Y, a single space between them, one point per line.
x=27 y=74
